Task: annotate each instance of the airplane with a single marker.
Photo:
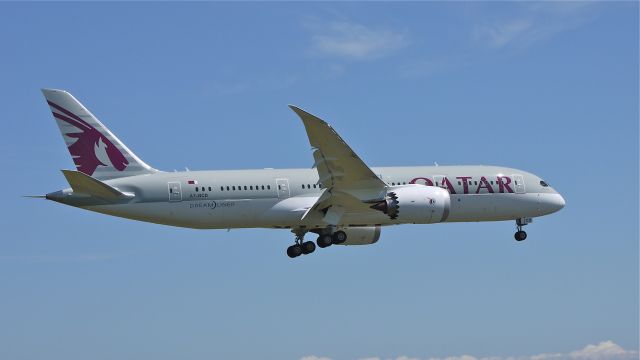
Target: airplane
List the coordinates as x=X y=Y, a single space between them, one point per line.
x=340 y=199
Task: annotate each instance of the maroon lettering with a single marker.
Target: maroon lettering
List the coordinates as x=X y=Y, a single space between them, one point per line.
x=465 y=183
x=425 y=181
x=449 y=185
x=504 y=185
x=484 y=184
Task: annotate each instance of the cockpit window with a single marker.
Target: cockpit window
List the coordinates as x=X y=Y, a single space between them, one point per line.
x=543 y=183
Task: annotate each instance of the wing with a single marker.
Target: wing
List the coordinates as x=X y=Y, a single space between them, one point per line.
x=347 y=179
x=338 y=166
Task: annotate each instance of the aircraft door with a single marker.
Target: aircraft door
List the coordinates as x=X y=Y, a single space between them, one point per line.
x=282 y=186
x=175 y=191
x=518 y=183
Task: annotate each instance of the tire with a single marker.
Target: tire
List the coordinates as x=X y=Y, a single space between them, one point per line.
x=294 y=251
x=308 y=247
x=324 y=241
x=339 y=237
x=520 y=235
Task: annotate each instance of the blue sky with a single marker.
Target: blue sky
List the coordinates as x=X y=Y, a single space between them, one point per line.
x=551 y=88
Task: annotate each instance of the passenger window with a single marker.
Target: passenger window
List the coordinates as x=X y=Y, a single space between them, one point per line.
x=268 y=187
x=279 y=187
x=459 y=183
x=245 y=187
x=227 y=188
x=221 y=188
x=234 y=188
x=303 y=186
x=314 y=186
x=262 y=187
x=251 y=187
x=196 y=189
x=475 y=183
x=209 y=188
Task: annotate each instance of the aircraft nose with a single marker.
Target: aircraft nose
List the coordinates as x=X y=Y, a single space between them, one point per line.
x=554 y=202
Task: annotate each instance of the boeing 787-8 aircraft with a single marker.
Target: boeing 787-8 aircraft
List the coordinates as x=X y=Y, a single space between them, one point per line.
x=340 y=199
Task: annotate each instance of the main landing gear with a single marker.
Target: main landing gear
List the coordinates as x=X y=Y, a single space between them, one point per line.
x=520 y=235
x=301 y=247
x=325 y=239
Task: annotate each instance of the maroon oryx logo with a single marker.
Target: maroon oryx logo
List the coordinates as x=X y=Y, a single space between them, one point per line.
x=89 y=141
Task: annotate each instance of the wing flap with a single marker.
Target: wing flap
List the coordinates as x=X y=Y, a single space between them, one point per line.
x=334 y=215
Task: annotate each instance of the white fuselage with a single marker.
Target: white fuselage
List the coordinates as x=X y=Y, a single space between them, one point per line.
x=279 y=198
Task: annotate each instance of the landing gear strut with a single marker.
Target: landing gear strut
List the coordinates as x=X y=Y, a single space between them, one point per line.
x=520 y=235
x=300 y=247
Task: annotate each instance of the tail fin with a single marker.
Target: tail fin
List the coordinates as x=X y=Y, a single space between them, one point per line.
x=94 y=149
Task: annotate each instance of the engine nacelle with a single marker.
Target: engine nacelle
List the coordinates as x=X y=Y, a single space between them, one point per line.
x=415 y=203
x=364 y=235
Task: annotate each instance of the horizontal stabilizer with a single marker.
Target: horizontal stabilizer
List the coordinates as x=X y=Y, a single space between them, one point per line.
x=84 y=184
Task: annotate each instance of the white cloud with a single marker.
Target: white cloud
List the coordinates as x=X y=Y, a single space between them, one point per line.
x=313 y=357
x=355 y=41
x=547 y=356
x=603 y=351
x=532 y=22
x=463 y=357
x=501 y=34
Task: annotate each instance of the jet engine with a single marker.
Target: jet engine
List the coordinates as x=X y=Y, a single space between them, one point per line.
x=364 y=235
x=415 y=203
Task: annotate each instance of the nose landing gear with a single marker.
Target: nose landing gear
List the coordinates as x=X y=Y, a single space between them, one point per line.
x=520 y=235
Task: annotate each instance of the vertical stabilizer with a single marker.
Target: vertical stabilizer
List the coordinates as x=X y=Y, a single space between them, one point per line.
x=95 y=150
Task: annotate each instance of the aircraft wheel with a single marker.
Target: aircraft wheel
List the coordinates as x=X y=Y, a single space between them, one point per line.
x=520 y=235
x=324 y=241
x=308 y=247
x=294 y=251
x=339 y=237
